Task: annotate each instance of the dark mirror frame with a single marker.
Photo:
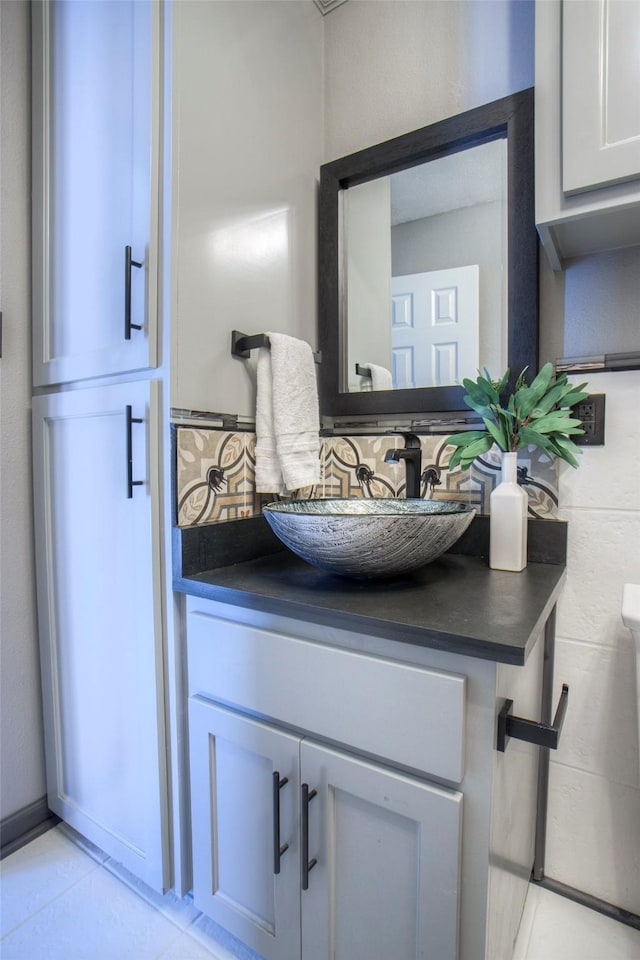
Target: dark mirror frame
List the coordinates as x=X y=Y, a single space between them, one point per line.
x=512 y=117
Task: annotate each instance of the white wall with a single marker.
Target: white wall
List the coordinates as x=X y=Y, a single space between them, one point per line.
x=395 y=65
x=22 y=781
x=247 y=134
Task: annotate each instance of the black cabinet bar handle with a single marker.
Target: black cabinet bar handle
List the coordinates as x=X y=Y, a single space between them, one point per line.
x=128 y=263
x=131 y=483
x=278 y=850
x=306 y=864
x=542 y=734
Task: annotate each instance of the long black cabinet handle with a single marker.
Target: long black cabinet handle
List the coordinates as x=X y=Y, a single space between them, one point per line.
x=542 y=734
x=131 y=483
x=128 y=263
x=278 y=849
x=306 y=864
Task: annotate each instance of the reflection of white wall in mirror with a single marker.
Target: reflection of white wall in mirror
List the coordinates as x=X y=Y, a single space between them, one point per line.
x=367 y=259
x=435 y=328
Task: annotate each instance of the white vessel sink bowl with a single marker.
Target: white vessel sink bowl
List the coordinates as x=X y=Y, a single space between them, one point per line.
x=368 y=538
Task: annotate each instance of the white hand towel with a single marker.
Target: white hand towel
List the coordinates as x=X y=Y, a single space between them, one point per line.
x=381 y=378
x=287 y=417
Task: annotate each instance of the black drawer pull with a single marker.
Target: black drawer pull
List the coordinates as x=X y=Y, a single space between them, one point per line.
x=128 y=263
x=306 y=864
x=131 y=483
x=278 y=850
x=542 y=734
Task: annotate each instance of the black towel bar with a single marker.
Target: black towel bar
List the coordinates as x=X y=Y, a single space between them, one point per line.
x=242 y=344
x=542 y=734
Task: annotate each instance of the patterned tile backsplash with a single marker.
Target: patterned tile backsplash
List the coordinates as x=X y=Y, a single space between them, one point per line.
x=216 y=474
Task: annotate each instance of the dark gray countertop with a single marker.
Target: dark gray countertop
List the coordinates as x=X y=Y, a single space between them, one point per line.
x=455 y=604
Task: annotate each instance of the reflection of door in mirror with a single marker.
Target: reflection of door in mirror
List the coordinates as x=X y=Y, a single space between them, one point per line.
x=429 y=219
x=434 y=327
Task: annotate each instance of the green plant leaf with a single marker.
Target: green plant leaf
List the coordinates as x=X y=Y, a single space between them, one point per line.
x=498 y=432
x=524 y=402
x=572 y=398
x=481 y=389
x=529 y=436
x=527 y=398
x=464 y=439
x=480 y=407
x=573 y=395
x=565 y=450
x=548 y=401
x=465 y=455
x=557 y=422
x=541 y=383
x=478 y=447
x=455 y=458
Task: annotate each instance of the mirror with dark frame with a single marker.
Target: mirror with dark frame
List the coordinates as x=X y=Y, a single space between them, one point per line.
x=428 y=263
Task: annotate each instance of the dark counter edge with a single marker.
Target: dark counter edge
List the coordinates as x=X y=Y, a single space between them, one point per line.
x=201 y=550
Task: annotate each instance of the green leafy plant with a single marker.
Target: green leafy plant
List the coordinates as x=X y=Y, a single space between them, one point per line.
x=539 y=415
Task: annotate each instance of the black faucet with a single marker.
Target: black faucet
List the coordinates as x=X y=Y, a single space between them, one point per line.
x=412 y=456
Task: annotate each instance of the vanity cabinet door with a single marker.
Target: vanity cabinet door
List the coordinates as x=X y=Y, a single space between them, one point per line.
x=100 y=632
x=95 y=187
x=387 y=873
x=237 y=811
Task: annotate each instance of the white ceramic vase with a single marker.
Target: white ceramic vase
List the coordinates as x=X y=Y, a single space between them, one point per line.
x=508 y=520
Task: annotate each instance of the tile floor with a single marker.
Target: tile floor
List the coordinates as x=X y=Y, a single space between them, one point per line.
x=61 y=901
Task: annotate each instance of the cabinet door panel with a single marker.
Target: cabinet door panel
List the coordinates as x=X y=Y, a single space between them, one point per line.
x=600 y=93
x=233 y=759
x=386 y=880
x=98 y=134
x=100 y=649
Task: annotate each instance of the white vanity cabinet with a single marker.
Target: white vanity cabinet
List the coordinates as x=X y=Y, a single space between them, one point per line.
x=382 y=849
x=96 y=85
x=346 y=793
x=587 y=113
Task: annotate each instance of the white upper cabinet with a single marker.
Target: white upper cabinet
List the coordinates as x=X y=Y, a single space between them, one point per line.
x=587 y=126
x=95 y=181
x=601 y=114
